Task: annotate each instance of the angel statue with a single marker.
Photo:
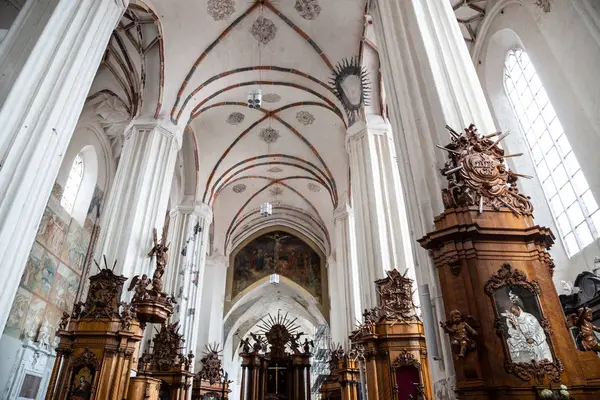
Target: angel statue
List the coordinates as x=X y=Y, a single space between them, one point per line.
x=583 y=321
x=460 y=333
x=160 y=251
x=141 y=287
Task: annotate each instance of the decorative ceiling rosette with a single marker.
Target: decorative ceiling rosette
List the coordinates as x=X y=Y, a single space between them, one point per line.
x=235 y=118
x=276 y=191
x=275 y=170
x=220 y=10
x=308 y=9
x=271 y=98
x=351 y=86
x=313 y=187
x=269 y=135
x=239 y=188
x=305 y=118
x=263 y=30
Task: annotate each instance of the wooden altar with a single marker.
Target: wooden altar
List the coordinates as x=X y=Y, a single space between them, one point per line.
x=168 y=364
x=505 y=321
x=211 y=381
x=274 y=366
x=392 y=339
x=343 y=381
x=94 y=356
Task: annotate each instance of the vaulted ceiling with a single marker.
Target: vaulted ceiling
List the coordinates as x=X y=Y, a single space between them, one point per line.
x=469 y=14
x=289 y=152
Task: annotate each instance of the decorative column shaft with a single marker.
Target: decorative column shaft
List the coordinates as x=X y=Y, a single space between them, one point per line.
x=430 y=81
x=137 y=202
x=378 y=204
x=346 y=306
x=48 y=61
x=213 y=301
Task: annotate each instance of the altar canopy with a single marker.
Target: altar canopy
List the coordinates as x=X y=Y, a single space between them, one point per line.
x=275 y=363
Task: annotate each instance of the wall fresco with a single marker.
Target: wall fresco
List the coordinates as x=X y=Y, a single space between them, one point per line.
x=277 y=253
x=52 y=275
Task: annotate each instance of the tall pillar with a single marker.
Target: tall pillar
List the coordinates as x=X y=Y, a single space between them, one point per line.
x=48 y=61
x=379 y=207
x=139 y=196
x=430 y=81
x=213 y=301
x=344 y=281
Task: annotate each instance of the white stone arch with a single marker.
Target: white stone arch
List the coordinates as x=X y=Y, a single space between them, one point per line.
x=514 y=26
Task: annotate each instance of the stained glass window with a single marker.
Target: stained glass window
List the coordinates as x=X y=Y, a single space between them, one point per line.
x=571 y=202
x=73 y=184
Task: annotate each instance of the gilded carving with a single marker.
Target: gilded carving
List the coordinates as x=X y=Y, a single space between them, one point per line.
x=477 y=175
x=406 y=359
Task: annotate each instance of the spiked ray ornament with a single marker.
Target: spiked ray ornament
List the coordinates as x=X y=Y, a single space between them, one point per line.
x=350 y=83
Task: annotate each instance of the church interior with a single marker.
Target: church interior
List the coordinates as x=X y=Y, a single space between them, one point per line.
x=299 y=199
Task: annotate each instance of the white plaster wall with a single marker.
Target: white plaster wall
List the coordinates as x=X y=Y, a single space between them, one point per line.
x=9 y=348
x=549 y=39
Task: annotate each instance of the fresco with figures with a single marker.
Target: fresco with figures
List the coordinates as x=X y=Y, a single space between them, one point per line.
x=277 y=253
x=54 y=268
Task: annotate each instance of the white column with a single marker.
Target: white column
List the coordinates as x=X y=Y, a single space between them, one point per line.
x=430 y=81
x=139 y=196
x=195 y=272
x=48 y=61
x=378 y=205
x=213 y=301
x=344 y=279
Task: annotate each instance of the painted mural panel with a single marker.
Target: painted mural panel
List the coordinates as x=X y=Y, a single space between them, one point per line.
x=277 y=253
x=53 y=272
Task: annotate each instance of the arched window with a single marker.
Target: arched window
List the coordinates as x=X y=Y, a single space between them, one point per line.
x=571 y=202
x=73 y=184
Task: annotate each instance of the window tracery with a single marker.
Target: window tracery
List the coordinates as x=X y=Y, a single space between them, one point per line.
x=571 y=201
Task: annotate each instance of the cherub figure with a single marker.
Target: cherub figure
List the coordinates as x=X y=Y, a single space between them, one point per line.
x=583 y=321
x=307 y=345
x=64 y=321
x=294 y=342
x=245 y=345
x=459 y=331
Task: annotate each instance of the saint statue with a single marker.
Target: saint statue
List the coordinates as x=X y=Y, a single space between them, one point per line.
x=527 y=340
x=160 y=252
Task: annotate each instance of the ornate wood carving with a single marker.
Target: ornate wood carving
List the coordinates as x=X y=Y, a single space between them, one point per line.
x=166 y=352
x=536 y=370
x=103 y=296
x=406 y=359
x=508 y=276
x=460 y=333
x=395 y=297
x=477 y=175
x=212 y=369
x=87 y=359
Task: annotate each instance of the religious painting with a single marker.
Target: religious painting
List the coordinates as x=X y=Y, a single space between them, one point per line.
x=277 y=253
x=16 y=316
x=53 y=316
x=521 y=324
x=39 y=271
x=76 y=247
x=35 y=316
x=82 y=384
x=64 y=288
x=52 y=232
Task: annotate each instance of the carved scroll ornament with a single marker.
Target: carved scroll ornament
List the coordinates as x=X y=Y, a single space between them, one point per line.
x=477 y=175
x=406 y=359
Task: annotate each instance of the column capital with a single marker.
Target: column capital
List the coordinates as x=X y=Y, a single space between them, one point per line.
x=216 y=260
x=162 y=125
x=343 y=212
x=200 y=209
x=356 y=131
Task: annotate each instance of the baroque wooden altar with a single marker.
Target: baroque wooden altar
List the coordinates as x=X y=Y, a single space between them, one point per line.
x=211 y=381
x=168 y=364
x=343 y=381
x=276 y=365
x=505 y=320
x=392 y=339
x=94 y=355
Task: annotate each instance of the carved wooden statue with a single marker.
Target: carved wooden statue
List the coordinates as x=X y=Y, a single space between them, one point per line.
x=460 y=333
x=583 y=321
